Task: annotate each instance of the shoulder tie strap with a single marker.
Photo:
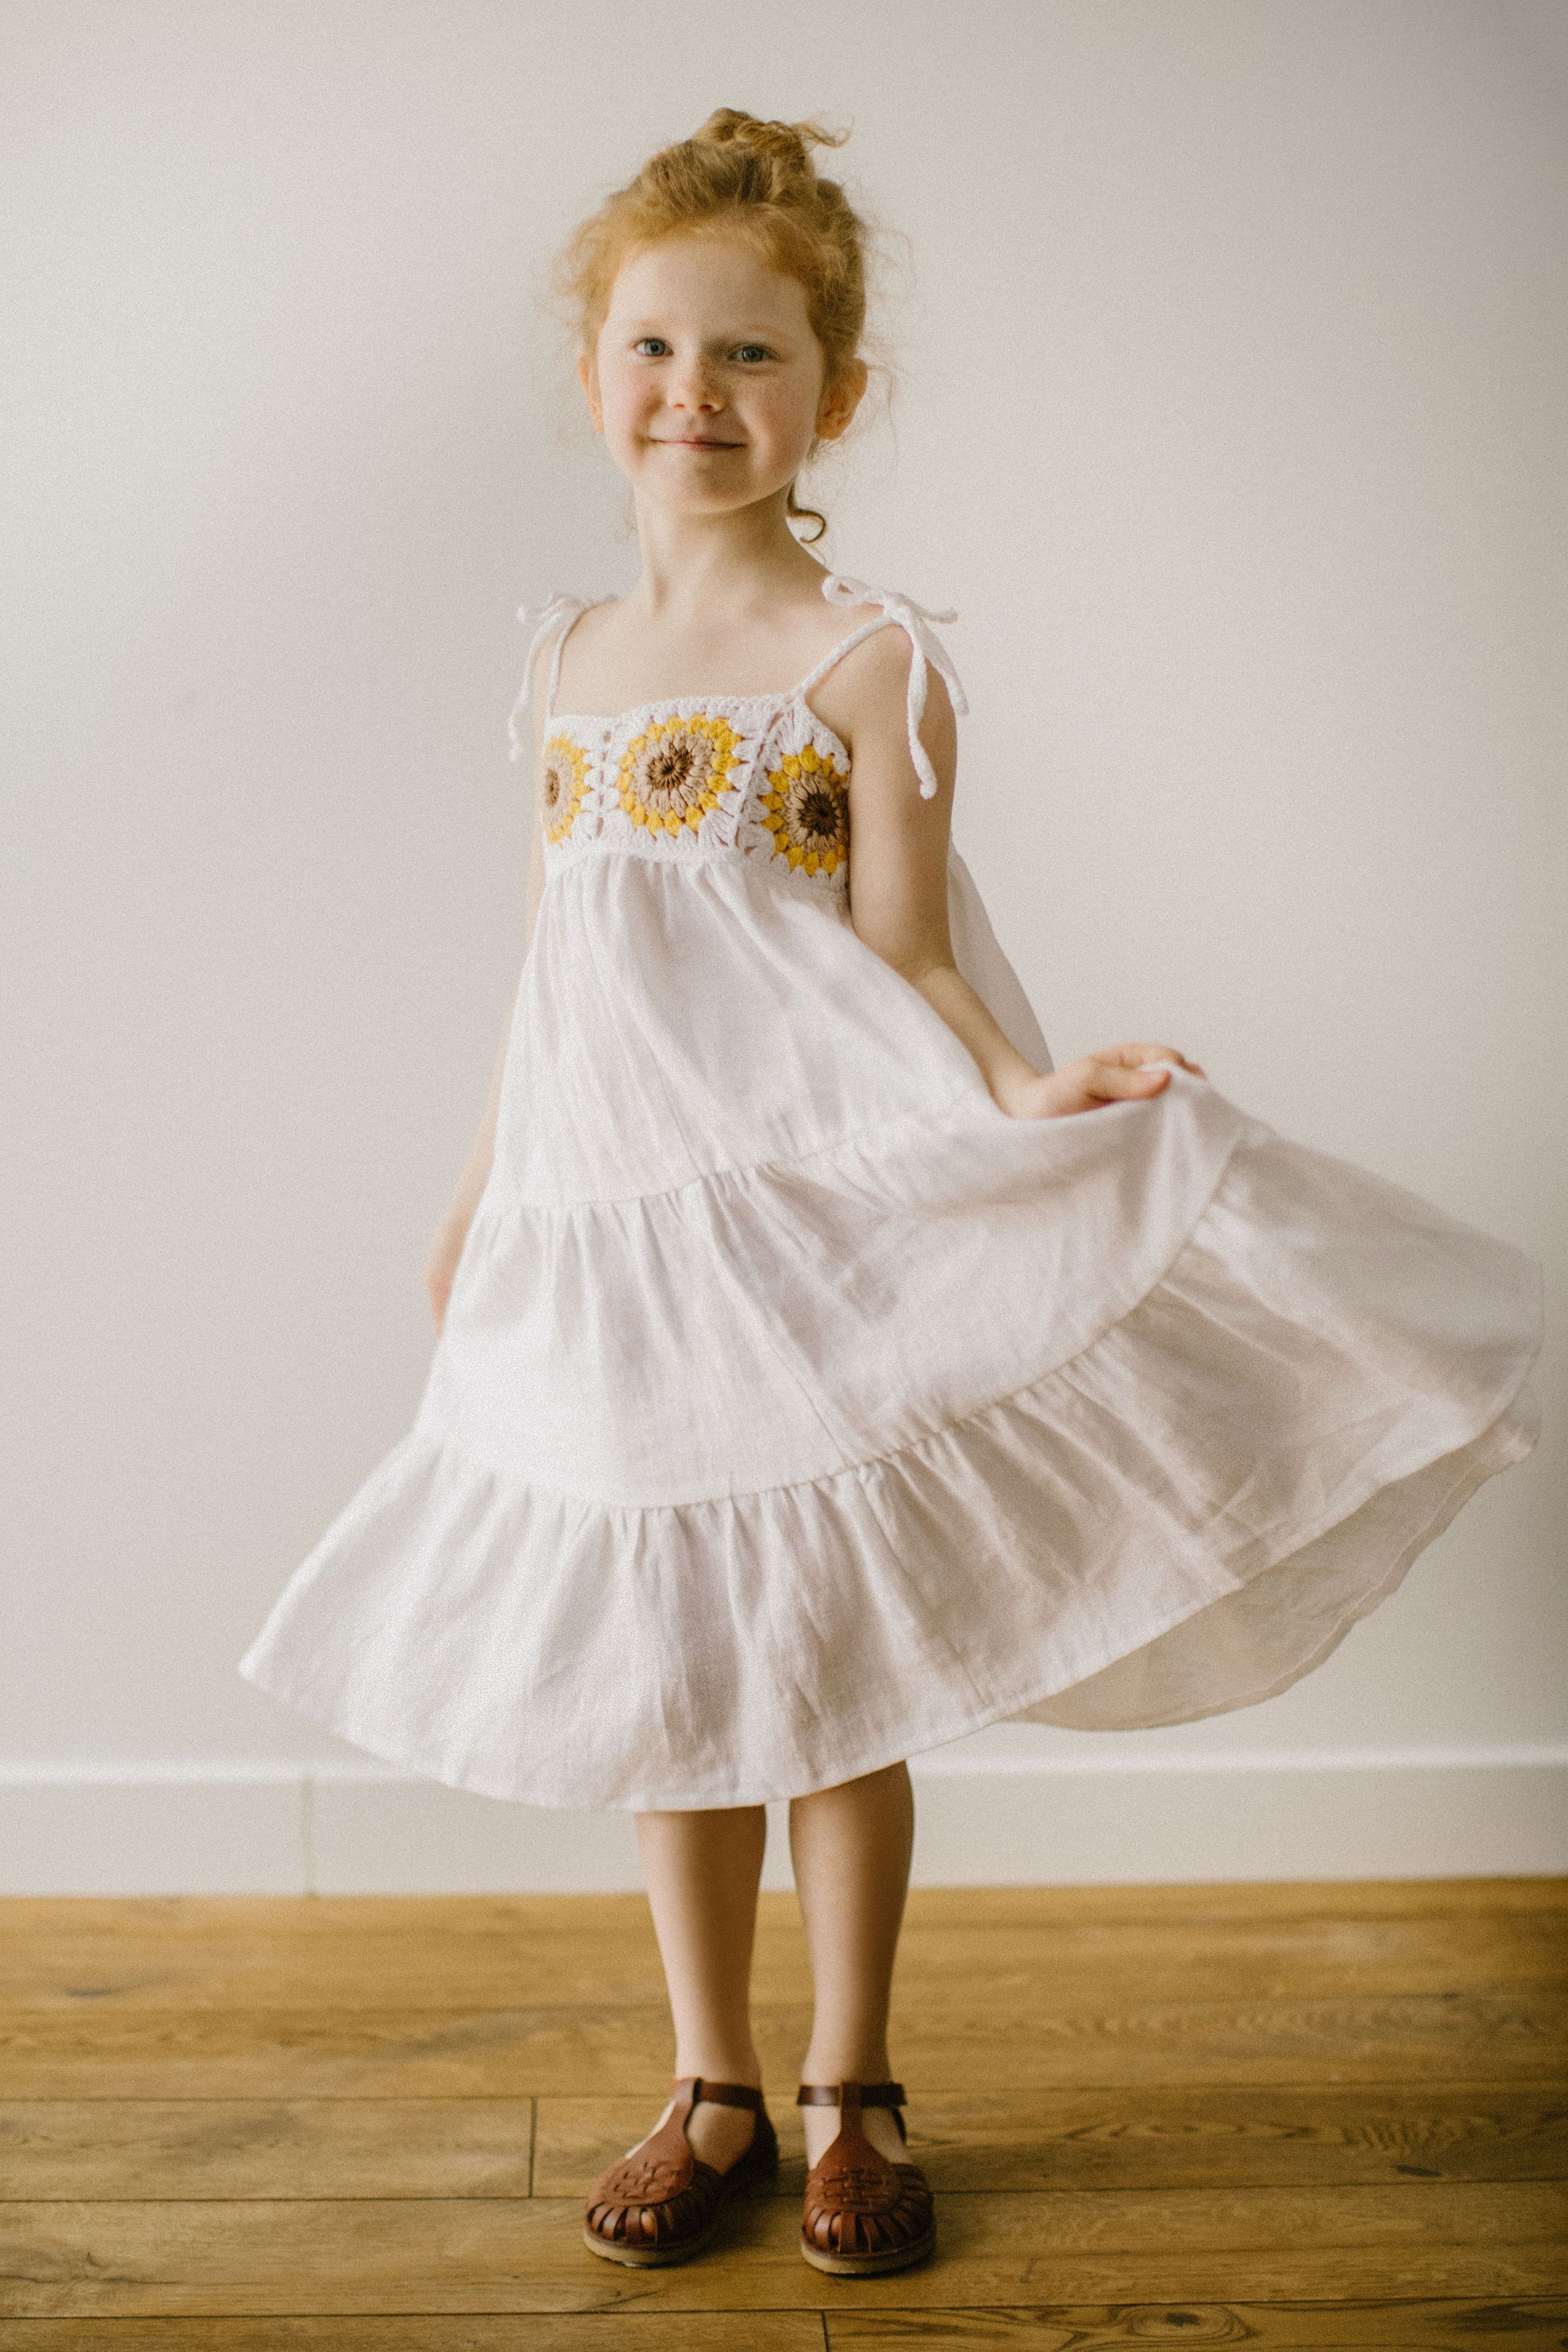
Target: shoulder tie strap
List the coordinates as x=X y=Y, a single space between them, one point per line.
x=557 y=613
x=928 y=651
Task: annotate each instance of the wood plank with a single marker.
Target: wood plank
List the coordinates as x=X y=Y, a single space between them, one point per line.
x=496 y=1952
x=328 y=2052
x=637 y=2331
x=265 y=2147
x=1533 y=2326
x=482 y=2255
x=1362 y=1959
x=1462 y=1956
x=1021 y=2141
x=269 y=1951
x=1200 y=1954
x=480 y=2148
x=948 y=2041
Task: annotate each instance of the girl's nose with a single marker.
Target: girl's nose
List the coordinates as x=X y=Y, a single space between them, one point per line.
x=693 y=387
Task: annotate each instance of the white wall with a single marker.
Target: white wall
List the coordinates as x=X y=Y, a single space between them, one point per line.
x=1232 y=351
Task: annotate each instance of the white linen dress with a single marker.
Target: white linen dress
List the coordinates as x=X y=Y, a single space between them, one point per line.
x=797 y=1410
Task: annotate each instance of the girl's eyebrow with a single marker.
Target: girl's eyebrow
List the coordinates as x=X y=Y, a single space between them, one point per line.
x=752 y=334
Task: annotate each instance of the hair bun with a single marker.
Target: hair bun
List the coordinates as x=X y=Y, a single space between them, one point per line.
x=785 y=145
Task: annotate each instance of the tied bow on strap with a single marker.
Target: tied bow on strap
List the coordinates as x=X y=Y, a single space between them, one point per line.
x=557 y=608
x=915 y=621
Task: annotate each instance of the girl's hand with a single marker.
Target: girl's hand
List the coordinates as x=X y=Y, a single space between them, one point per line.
x=1110 y=1075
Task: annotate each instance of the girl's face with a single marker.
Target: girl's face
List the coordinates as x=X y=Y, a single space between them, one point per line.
x=707 y=378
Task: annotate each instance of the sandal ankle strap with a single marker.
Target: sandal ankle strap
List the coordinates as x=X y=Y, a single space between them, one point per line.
x=831 y=2095
x=696 y=2087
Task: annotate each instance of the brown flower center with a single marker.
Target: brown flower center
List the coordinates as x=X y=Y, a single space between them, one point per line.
x=671 y=768
x=819 y=813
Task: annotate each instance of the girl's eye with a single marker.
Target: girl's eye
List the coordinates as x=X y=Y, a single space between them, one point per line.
x=652 y=347
x=751 y=352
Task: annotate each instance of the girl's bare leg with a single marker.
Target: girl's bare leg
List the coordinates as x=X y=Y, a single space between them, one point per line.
x=702 y=1871
x=851 y=1848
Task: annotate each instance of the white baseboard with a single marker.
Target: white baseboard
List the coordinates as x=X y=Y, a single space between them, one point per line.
x=982 y=1821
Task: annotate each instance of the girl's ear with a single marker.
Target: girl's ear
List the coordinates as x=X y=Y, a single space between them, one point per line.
x=840 y=401
x=588 y=377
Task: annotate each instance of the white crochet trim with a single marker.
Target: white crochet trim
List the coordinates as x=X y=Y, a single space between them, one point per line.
x=769 y=728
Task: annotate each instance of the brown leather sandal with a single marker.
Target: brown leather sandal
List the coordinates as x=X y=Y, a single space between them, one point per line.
x=863 y=2213
x=662 y=2202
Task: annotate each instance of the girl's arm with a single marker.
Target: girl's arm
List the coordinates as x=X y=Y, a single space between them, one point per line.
x=447 y=1245
x=898 y=883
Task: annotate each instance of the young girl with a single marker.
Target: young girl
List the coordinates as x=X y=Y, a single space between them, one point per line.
x=821 y=1375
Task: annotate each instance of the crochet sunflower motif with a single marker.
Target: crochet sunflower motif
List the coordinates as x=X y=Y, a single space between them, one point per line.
x=676 y=770
x=563 y=781
x=806 y=809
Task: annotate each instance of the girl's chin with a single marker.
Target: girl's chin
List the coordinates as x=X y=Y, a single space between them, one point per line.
x=692 y=501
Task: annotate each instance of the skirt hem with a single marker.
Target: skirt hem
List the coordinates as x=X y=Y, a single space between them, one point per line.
x=1504 y=1439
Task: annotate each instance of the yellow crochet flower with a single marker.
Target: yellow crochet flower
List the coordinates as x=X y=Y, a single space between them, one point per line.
x=563 y=781
x=807 y=810
x=676 y=770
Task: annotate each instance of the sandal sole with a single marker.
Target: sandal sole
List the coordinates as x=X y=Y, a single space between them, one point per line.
x=651 y=2257
x=897 y=2258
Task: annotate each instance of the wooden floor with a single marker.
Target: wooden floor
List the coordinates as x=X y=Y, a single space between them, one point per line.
x=1271 y=2116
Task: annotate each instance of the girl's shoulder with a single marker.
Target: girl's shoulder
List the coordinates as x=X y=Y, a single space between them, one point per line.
x=890 y=674
x=880 y=696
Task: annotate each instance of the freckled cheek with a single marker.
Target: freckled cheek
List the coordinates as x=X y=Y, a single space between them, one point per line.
x=775 y=422
x=628 y=410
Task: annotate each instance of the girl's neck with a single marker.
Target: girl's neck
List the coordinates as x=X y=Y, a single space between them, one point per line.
x=693 y=565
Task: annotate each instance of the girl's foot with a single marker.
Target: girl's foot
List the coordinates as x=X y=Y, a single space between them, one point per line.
x=662 y=2201
x=880 y=2126
x=864 y=2211
x=718 y=2133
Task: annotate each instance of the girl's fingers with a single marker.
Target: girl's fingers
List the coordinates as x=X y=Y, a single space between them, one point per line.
x=1141 y=1053
x=1127 y=1072
x=1109 y=1081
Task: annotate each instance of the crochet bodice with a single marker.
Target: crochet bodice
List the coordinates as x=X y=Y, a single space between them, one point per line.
x=695 y=778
